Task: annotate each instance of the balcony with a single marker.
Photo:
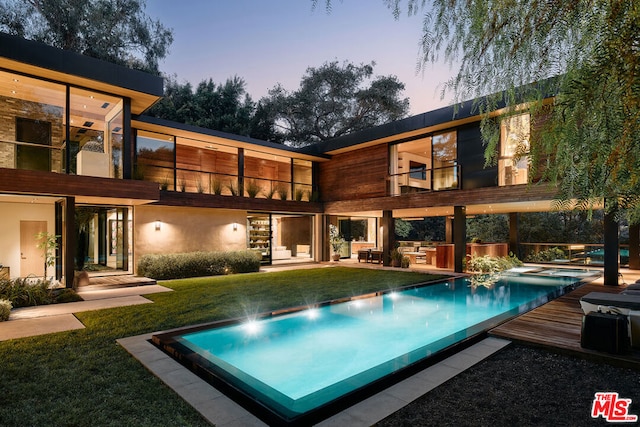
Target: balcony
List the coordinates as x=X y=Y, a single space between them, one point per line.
x=191 y=181
x=420 y=180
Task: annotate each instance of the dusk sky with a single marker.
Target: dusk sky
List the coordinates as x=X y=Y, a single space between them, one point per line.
x=270 y=42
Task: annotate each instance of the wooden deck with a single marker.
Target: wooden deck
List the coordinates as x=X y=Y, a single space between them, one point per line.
x=557 y=326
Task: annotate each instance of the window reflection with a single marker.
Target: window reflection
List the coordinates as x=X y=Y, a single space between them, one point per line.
x=155 y=158
x=425 y=164
x=445 y=154
x=513 y=164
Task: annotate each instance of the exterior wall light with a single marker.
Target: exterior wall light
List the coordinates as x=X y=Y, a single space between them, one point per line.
x=158 y=225
x=235 y=226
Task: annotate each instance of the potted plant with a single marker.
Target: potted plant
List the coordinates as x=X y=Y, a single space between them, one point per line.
x=336 y=241
x=396 y=258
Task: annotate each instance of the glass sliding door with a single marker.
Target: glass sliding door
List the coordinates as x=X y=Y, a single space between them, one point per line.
x=103 y=238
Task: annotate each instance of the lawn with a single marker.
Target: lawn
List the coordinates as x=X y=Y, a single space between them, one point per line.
x=84 y=378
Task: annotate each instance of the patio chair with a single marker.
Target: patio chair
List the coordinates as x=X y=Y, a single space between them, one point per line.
x=623 y=303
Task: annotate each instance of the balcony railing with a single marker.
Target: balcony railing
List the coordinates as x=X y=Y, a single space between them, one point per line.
x=191 y=181
x=425 y=180
x=569 y=253
x=24 y=155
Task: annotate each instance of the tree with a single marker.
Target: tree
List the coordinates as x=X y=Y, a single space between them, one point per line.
x=334 y=100
x=589 y=141
x=488 y=228
x=225 y=107
x=117 y=31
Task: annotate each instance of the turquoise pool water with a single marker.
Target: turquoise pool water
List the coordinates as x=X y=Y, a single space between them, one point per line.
x=295 y=363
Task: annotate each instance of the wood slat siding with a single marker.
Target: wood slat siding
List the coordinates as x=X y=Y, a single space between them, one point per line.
x=491 y=195
x=170 y=198
x=58 y=184
x=558 y=324
x=357 y=174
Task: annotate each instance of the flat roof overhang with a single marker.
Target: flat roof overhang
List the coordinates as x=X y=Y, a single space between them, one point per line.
x=195 y=133
x=412 y=127
x=86 y=189
x=197 y=200
x=39 y=60
x=490 y=200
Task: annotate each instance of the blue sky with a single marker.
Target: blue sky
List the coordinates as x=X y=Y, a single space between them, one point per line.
x=274 y=41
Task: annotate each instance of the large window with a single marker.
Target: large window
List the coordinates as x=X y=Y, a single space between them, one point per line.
x=302 y=179
x=513 y=164
x=95 y=134
x=205 y=167
x=425 y=164
x=445 y=155
x=155 y=162
x=32 y=123
x=267 y=174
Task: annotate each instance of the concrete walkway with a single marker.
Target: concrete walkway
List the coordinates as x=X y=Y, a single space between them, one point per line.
x=46 y=319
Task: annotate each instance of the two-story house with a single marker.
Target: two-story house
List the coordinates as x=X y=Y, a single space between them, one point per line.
x=81 y=161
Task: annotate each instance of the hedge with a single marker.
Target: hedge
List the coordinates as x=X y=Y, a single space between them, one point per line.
x=198 y=264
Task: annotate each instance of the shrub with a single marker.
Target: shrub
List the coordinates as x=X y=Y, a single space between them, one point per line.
x=283 y=191
x=25 y=292
x=197 y=264
x=489 y=264
x=5 y=309
x=252 y=188
x=546 y=255
x=406 y=262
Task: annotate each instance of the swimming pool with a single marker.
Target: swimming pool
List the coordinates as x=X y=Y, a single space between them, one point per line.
x=299 y=367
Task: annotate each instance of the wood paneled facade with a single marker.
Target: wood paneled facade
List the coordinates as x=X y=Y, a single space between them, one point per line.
x=355 y=175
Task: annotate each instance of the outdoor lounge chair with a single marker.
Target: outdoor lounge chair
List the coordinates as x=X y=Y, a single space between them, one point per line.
x=623 y=303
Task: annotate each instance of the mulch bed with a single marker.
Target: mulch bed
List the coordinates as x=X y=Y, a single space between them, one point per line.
x=522 y=386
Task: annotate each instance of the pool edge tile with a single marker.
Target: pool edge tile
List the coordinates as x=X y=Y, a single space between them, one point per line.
x=221 y=411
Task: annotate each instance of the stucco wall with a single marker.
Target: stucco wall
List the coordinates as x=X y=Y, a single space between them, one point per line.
x=187 y=230
x=12 y=214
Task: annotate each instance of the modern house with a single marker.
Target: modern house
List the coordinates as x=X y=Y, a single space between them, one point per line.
x=80 y=160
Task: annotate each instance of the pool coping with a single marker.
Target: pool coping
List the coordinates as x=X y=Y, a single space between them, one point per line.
x=220 y=410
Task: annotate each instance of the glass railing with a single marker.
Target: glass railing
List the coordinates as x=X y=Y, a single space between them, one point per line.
x=27 y=156
x=569 y=253
x=425 y=180
x=191 y=181
x=50 y=158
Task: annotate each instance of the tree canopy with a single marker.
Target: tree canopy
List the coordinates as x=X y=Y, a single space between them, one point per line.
x=589 y=142
x=334 y=100
x=225 y=106
x=117 y=31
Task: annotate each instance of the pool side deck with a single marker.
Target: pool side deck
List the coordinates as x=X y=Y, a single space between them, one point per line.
x=557 y=325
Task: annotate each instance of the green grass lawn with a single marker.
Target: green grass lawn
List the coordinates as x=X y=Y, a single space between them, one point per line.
x=84 y=378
